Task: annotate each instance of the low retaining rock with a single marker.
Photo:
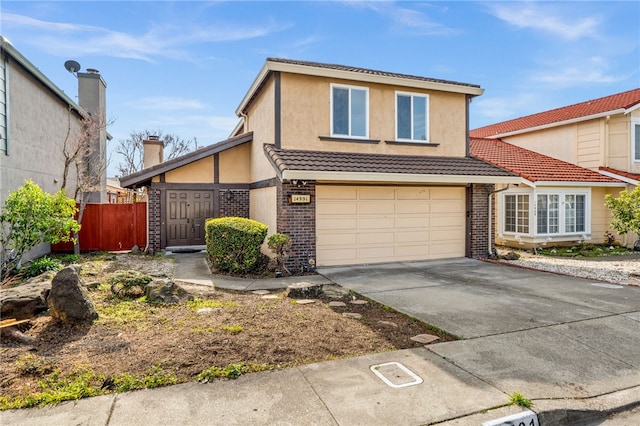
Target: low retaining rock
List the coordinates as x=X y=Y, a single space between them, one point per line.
x=304 y=290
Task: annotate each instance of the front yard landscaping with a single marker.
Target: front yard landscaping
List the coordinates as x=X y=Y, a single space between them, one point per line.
x=217 y=334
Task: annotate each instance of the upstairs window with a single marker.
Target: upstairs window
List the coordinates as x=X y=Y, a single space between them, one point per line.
x=635 y=135
x=349 y=111
x=411 y=117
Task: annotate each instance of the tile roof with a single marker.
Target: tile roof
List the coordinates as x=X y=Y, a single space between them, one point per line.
x=366 y=71
x=327 y=161
x=634 y=176
x=531 y=165
x=618 y=102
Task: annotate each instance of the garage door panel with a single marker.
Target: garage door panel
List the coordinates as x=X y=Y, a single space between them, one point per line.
x=336 y=192
x=376 y=223
x=376 y=193
x=384 y=224
x=408 y=207
x=412 y=193
x=376 y=238
x=335 y=223
x=333 y=208
x=376 y=208
x=337 y=239
x=412 y=222
x=412 y=237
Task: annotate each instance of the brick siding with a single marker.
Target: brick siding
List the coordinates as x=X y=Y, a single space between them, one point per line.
x=479 y=219
x=298 y=221
x=234 y=202
x=155 y=220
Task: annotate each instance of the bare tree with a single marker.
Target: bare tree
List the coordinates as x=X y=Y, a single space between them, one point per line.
x=132 y=151
x=84 y=152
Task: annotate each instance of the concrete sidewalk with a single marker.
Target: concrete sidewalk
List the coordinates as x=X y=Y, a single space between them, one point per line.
x=577 y=364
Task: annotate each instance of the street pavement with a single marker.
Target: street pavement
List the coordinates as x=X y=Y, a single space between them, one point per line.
x=572 y=346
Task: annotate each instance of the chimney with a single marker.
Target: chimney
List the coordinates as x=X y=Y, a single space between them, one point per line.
x=153 y=151
x=92 y=98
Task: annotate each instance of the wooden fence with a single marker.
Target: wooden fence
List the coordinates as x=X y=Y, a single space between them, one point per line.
x=111 y=227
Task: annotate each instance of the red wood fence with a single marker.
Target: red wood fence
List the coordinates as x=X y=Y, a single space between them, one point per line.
x=110 y=227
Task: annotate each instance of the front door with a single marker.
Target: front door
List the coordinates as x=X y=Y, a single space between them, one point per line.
x=187 y=212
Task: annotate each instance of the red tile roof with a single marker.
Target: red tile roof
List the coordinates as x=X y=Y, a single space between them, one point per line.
x=617 y=102
x=298 y=160
x=531 y=165
x=634 y=176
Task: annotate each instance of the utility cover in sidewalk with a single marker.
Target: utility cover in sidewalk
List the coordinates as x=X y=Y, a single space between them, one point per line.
x=396 y=375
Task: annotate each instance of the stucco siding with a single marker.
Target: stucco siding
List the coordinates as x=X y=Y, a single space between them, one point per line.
x=261 y=123
x=200 y=171
x=38 y=126
x=306 y=105
x=263 y=208
x=558 y=142
x=235 y=164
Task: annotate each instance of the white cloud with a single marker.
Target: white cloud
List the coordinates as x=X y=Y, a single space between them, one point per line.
x=576 y=72
x=546 y=18
x=160 y=41
x=403 y=19
x=166 y=103
x=495 y=109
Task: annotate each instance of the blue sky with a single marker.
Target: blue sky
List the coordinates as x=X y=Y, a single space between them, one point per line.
x=183 y=66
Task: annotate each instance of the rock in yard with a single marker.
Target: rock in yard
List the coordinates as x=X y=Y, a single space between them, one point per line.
x=69 y=300
x=165 y=291
x=24 y=301
x=337 y=304
x=353 y=315
x=305 y=301
x=304 y=290
x=425 y=338
x=358 y=302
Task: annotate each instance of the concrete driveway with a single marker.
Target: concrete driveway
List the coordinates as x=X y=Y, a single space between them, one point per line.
x=550 y=335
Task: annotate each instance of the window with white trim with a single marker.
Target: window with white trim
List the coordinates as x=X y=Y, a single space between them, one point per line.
x=516 y=213
x=349 y=111
x=412 y=117
x=561 y=213
x=635 y=140
x=548 y=206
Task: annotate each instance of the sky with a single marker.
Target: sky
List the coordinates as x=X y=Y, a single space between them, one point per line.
x=182 y=67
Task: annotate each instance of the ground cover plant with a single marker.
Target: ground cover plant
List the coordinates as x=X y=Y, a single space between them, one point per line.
x=216 y=335
x=584 y=250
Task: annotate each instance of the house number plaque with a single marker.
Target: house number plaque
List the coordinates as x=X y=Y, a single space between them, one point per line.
x=300 y=199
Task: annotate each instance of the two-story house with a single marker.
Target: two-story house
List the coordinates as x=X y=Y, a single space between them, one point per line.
x=356 y=165
x=602 y=135
x=36 y=118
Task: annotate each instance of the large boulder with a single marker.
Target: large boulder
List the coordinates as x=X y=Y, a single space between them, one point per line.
x=25 y=301
x=165 y=291
x=69 y=299
x=636 y=245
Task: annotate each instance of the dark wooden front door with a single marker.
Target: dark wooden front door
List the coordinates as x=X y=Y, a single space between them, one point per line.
x=186 y=213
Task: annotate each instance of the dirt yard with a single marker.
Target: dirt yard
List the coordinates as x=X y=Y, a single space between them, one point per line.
x=134 y=344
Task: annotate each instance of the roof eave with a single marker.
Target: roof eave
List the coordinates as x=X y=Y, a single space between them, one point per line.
x=24 y=62
x=555 y=124
x=539 y=183
x=270 y=66
x=331 y=176
x=619 y=177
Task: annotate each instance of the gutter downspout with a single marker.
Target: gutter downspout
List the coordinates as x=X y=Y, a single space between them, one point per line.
x=490 y=232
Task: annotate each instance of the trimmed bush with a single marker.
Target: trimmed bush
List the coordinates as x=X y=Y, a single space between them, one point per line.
x=233 y=244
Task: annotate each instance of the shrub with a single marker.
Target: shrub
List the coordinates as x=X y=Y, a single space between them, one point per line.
x=233 y=244
x=41 y=265
x=280 y=245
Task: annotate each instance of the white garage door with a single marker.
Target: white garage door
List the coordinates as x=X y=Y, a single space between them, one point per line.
x=367 y=224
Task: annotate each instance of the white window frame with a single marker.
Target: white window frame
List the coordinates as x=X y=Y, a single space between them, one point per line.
x=412 y=95
x=562 y=234
x=635 y=127
x=504 y=213
x=350 y=88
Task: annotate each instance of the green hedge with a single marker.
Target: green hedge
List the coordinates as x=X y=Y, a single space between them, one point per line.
x=233 y=243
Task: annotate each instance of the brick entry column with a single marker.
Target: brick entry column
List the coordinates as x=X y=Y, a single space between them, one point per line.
x=155 y=220
x=479 y=233
x=298 y=221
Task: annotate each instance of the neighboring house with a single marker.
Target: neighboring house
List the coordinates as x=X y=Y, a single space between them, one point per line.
x=36 y=117
x=601 y=135
x=355 y=165
x=556 y=202
x=602 y=132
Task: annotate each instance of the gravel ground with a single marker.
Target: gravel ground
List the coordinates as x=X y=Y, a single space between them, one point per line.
x=615 y=269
